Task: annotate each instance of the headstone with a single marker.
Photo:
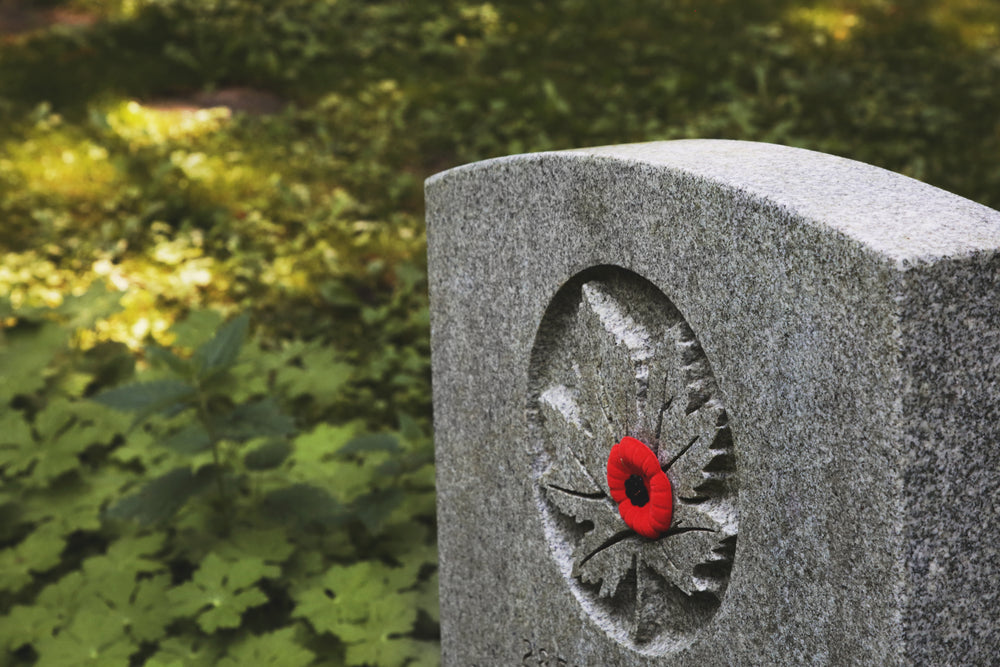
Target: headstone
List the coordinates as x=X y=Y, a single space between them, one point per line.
x=808 y=346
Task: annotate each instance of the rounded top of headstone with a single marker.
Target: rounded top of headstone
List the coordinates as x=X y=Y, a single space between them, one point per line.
x=893 y=215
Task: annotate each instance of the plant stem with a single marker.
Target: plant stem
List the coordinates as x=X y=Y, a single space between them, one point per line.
x=203 y=416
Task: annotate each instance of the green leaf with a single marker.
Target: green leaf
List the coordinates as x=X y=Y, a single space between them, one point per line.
x=81 y=312
x=315 y=448
x=338 y=294
x=373 y=509
x=128 y=555
x=55 y=419
x=141 y=445
x=413 y=467
x=304 y=504
x=135 y=606
x=221 y=352
x=162 y=497
x=269 y=544
x=183 y=368
x=319 y=375
x=189 y=439
x=368 y=605
x=372 y=442
x=109 y=363
x=268 y=456
x=165 y=660
x=192 y=650
x=409 y=428
x=23 y=625
x=62 y=598
x=60 y=454
x=394 y=652
x=148 y=398
x=196 y=328
x=75 y=502
x=75 y=384
x=144 y=614
x=18 y=449
x=25 y=355
x=429 y=600
x=88 y=640
x=275 y=649
x=255 y=419
x=347 y=480
x=65 y=430
x=221 y=591
x=40 y=551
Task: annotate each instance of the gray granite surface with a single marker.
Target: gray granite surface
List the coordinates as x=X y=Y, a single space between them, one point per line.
x=810 y=346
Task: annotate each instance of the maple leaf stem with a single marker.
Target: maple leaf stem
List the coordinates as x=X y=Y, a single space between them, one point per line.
x=610 y=542
x=681 y=453
x=677 y=530
x=578 y=494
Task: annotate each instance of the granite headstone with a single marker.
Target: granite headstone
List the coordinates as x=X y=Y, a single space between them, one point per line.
x=809 y=345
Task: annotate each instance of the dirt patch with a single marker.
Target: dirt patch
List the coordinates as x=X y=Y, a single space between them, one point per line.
x=236 y=99
x=17 y=19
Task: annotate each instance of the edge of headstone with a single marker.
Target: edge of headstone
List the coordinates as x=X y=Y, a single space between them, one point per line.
x=905 y=220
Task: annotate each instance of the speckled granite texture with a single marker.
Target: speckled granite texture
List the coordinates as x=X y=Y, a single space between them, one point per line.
x=846 y=321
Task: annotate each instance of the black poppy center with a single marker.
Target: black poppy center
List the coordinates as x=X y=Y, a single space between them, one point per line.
x=636 y=490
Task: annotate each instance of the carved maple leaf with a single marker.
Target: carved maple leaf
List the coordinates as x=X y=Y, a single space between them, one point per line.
x=624 y=366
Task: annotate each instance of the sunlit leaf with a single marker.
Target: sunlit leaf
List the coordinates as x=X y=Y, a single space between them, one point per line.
x=197 y=328
x=322 y=443
x=317 y=373
x=80 y=312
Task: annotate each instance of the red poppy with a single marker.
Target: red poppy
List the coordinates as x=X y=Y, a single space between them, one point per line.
x=641 y=488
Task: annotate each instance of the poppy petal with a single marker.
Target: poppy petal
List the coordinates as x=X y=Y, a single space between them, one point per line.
x=628 y=458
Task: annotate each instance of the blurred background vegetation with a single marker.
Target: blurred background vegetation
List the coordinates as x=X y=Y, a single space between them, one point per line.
x=216 y=443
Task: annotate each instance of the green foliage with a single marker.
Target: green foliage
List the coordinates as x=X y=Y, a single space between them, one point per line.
x=37 y=553
x=278 y=649
x=221 y=591
x=160 y=498
x=176 y=517
x=370 y=606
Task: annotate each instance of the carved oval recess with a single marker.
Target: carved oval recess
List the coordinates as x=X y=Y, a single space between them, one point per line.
x=614 y=357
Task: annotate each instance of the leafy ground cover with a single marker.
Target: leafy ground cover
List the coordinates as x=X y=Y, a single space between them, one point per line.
x=215 y=337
